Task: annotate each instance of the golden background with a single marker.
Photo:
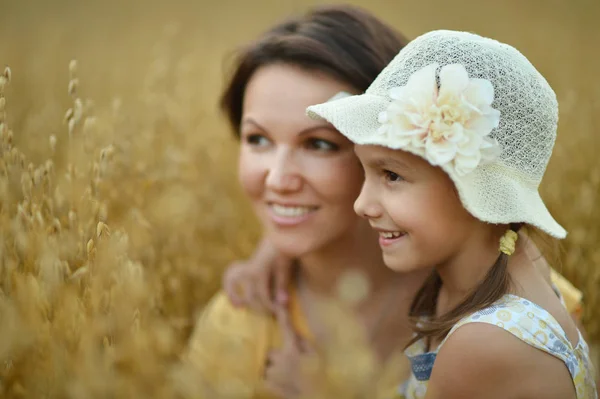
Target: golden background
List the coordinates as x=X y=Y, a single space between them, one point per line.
x=167 y=188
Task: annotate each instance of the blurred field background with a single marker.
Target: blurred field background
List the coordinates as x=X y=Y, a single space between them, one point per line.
x=115 y=230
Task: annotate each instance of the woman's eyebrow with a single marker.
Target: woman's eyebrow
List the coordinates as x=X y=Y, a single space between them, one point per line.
x=251 y=121
x=310 y=129
x=318 y=127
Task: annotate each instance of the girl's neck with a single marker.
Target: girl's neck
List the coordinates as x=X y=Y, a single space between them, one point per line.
x=465 y=271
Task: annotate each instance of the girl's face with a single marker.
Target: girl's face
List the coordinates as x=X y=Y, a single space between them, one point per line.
x=414 y=207
x=301 y=175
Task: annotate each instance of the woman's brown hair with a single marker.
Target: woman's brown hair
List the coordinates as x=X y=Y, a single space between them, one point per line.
x=345 y=42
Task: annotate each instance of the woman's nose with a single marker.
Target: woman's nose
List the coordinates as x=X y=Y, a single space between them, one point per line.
x=282 y=174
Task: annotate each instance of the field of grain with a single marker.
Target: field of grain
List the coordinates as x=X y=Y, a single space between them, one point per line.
x=119 y=204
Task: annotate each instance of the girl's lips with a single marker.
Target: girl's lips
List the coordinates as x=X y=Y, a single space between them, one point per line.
x=387 y=238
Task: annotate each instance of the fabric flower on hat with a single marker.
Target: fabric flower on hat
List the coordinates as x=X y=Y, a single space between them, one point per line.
x=449 y=126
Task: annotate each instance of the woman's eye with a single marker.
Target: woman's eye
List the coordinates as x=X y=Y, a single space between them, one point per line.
x=392 y=177
x=322 y=145
x=257 y=140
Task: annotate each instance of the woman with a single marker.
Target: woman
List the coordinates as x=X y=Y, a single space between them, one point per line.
x=302 y=178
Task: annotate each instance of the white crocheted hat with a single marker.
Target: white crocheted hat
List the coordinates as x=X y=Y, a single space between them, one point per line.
x=471 y=105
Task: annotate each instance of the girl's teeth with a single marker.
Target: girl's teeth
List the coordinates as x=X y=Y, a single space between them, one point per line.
x=290 y=211
x=388 y=235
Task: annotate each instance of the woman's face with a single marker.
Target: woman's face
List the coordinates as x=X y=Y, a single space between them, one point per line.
x=301 y=175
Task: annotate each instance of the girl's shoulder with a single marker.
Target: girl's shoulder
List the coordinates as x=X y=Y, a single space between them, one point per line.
x=524 y=320
x=478 y=359
x=510 y=339
x=472 y=358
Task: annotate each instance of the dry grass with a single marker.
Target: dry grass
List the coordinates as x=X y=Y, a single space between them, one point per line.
x=117 y=217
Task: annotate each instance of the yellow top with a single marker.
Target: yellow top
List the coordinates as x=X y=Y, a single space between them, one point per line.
x=230 y=345
x=572 y=296
x=229 y=348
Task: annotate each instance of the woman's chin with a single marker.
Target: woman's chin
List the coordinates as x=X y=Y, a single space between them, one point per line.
x=294 y=247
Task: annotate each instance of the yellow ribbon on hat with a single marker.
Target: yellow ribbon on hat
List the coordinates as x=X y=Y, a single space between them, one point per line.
x=508 y=242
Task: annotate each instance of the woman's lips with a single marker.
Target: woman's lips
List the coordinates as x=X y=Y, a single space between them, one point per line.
x=290 y=215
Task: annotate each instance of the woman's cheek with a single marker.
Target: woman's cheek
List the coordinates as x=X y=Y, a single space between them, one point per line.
x=339 y=179
x=251 y=173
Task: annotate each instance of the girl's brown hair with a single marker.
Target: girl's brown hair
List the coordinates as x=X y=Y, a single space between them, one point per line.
x=345 y=42
x=422 y=311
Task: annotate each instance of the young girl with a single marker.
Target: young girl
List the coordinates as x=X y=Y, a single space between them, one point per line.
x=454 y=137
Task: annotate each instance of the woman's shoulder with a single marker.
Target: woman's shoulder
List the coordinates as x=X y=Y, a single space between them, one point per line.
x=222 y=311
x=229 y=345
x=221 y=320
x=571 y=296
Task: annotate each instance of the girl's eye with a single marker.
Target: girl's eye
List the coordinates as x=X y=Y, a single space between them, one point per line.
x=321 y=145
x=392 y=177
x=257 y=140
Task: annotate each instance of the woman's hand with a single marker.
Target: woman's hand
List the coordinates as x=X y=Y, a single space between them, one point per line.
x=261 y=282
x=284 y=374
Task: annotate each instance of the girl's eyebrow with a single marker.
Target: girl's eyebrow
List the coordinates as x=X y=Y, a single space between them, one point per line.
x=393 y=163
x=300 y=133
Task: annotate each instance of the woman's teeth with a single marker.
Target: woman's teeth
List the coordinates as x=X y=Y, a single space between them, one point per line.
x=390 y=234
x=291 y=211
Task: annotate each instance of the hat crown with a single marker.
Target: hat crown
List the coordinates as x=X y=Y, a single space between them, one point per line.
x=527 y=104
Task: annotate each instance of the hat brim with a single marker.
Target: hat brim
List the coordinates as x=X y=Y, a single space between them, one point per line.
x=356 y=117
x=511 y=201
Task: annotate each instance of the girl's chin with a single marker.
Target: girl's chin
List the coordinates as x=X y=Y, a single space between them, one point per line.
x=397 y=264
